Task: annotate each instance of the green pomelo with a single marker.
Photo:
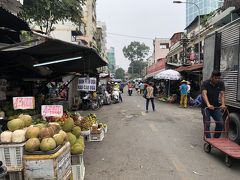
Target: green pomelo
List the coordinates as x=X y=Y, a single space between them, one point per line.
x=32 y=145
x=77 y=149
x=40 y=125
x=48 y=144
x=63 y=134
x=76 y=131
x=32 y=132
x=26 y=118
x=80 y=141
x=68 y=125
x=15 y=124
x=59 y=139
x=71 y=138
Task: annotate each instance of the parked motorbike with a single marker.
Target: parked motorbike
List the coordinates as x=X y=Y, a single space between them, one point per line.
x=130 y=91
x=115 y=95
x=89 y=103
x=107 y=98
x=100 y=99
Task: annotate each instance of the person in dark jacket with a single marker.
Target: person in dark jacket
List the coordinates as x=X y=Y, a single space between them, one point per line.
x=213 y=90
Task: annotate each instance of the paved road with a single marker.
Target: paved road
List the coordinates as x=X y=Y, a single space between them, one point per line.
x=162 y=145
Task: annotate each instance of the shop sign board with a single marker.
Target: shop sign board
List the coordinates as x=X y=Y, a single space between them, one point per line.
x=23 y=103
x=52 y=110
x=87 y=84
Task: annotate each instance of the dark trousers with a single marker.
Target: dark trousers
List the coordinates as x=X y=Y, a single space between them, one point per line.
x=120 y=97
x=216 y=114
x=152 y=101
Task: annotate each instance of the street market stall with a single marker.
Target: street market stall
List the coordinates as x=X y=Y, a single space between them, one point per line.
x=170 y=75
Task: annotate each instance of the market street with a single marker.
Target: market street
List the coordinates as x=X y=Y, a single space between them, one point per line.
x=166 y=144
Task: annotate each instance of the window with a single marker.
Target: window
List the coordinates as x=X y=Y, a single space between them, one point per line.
x=164 y=45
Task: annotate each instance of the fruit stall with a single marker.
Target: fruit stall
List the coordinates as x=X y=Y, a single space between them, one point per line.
x=47 y=146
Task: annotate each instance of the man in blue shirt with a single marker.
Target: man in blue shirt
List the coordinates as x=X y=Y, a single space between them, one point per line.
x=184 y=92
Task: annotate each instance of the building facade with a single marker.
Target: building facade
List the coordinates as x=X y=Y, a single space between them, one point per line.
x=161 y=49
x=205 y=7
x=111 y=60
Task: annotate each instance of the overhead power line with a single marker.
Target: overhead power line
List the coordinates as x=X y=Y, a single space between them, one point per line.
x=130 y=36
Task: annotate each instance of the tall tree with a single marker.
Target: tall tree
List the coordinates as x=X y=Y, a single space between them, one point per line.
x=136 y=52
x=136 y=68
x=120 y=73
x=45 y=13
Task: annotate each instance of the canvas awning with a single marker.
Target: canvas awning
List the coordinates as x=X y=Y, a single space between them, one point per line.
x=20 y=63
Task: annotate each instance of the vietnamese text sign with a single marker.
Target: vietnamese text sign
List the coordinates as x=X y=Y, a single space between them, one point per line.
x=87 y=84
x=52 y=110
x=23 y=103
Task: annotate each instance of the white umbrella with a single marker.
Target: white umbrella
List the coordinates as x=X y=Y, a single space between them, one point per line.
x=168 y=74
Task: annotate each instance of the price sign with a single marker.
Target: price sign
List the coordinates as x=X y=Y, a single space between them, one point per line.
x=52 y=110
x=87 y=84
x=23 y=103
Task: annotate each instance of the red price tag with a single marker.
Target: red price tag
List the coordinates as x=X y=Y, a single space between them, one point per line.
x=52 y=110
x=23 y=103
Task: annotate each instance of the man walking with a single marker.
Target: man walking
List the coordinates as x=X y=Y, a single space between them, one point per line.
x=212 y=90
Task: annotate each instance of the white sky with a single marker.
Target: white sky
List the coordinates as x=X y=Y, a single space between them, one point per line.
x=141 y=18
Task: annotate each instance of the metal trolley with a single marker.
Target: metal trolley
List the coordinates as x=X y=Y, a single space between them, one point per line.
x=224 y=144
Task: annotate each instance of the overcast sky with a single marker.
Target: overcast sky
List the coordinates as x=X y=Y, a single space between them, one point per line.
x=140 y=18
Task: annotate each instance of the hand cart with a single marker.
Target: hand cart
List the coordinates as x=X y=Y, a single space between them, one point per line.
x=224 y=144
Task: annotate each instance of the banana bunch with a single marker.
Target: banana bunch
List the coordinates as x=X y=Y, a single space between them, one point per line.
x=93 y=118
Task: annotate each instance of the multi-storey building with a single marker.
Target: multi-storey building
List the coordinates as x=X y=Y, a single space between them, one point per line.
x=101 y=42
x=161 y=49
x=205 y=7
x=90 y=21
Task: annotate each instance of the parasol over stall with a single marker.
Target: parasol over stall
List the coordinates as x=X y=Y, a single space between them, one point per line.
x=169 y=75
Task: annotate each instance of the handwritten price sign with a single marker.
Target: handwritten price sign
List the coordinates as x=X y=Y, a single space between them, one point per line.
x=52 y=110
x=23 y=102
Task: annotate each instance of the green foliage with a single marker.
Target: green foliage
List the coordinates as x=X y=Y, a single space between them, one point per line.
x=136 y=51
x=120 y=73
x=136 y=67
x=45 y=13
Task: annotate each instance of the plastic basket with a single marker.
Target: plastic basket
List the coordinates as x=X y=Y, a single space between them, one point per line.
x=78 y=172
x=11 y=155
x=76 y=159
x=17 y=175
x=96 y=137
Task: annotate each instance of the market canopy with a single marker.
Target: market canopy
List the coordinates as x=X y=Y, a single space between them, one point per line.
x=51 y=57
x=169 y=74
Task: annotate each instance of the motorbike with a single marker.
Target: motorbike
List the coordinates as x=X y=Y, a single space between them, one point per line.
x=130 y=91
x=100 y=98
x=89 y=103
x=115 y=95
x=107 y=98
